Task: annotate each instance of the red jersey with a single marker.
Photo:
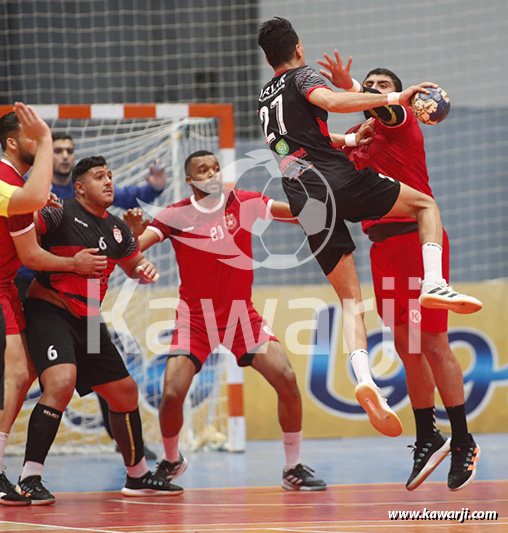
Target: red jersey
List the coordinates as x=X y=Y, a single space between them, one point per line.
x=10 y=227
x=396 y=151
x=213 y=248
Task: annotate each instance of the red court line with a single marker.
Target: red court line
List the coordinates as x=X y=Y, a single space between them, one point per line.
x=358 y=508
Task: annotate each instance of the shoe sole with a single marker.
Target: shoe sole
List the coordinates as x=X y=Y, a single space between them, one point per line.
x=435 y=459
x=382 y=418
x=9 y=503
x=288 y=486
x=43 y=502
x=461 y=307
x=470 y=480
x=150 y=492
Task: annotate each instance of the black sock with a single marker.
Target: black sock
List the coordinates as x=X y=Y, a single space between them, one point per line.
x=126 y=429
x=42 y=430
x=105 y=415
x=458 y=422
x=425 y=420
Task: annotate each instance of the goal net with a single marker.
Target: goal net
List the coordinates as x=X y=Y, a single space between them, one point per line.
x=140 y=318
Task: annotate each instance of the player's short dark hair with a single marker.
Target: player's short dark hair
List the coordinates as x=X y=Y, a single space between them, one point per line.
x=278 y=40
x=389 y=73
x=198 y=153
x=85 y=164
x=9 y=126
x=62 y=137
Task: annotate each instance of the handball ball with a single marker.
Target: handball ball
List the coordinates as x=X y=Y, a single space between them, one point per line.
x=431 y=108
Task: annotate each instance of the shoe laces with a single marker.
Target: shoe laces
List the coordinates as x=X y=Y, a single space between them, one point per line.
x=419 y=450
x=304 y=471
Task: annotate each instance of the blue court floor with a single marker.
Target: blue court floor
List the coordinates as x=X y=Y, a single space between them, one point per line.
x=337 y=461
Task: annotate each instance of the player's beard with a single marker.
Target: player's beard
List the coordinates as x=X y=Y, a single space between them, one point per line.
x=25 y=156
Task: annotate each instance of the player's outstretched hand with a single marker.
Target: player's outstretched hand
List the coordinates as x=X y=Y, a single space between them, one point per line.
x=336 y=72
x=157 y=175
x=365 y=133
x=134 y=219
x=147 y=273
x=88 y=263
x=32 y=123
x=53 y=201
x=406 y=94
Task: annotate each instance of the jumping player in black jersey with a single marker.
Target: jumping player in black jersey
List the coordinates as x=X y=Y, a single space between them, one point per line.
x=57 y=311
x=293 y=109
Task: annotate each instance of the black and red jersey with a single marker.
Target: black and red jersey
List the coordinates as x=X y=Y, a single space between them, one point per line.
x=72 y=228
x=297 y=131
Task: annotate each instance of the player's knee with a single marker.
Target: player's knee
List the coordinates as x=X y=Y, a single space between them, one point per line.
x=286 y=383
x=172 y=397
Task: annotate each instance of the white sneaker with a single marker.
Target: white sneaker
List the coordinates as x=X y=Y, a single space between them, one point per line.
x=380 y=414
x=442 y=296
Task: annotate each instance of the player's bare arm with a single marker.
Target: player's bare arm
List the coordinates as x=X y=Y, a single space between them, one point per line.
x=138 y=267
x=134 y=219
x=85 y=262
x=34 y=194
x=280 y=211
x=353 y=102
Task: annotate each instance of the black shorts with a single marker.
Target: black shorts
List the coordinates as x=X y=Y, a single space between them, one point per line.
x=370 y=196
x=55 y=336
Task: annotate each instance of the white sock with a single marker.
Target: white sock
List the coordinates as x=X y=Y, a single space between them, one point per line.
x=30 y=468
x=432 y=262
x=138 y=470
x=292 y=446
x=360 y=361
x=3 y=443
x=171 y=448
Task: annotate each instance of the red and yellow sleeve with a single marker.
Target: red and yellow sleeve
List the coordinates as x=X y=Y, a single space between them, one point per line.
x=6 y=192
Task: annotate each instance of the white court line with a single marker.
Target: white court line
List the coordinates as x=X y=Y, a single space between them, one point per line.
x=91 y=530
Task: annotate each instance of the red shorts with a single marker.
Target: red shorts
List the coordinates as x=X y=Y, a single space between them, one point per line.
x=192 y=338
x=396 y=260
x=12 y=308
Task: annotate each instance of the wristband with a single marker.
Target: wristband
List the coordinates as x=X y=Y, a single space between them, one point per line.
x=393 y=98
x=356 y=87
x=350 y=139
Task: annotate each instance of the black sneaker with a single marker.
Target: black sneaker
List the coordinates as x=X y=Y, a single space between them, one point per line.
x=8 y=494
x=151 y=484
x=301 y=477
x=173 y=470
x=463 y=467
x=427 y=455
x=32 y=487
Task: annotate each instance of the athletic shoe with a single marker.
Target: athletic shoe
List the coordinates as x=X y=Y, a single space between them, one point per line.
x=151 y=484
x=442 y=296
x=463 y=467
x=173 y=470
x=427 y=454
x=301 y=477
x=8 y=494
x=380 y=414
x=32 y=487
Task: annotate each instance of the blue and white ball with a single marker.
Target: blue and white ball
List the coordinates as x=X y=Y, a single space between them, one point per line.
x=431 y=108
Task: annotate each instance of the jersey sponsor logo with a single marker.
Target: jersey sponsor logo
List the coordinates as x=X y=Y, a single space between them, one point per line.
x=282 y=147
x=52 y=353
x=273 y=88
x=102 y=243
x=231 y=221
x=76 y=219
x=190 y=228
x=117 y=234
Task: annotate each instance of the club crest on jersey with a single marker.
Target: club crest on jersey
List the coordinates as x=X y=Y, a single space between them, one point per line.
x=231 y=221
x=282 y=147
x=117 y=234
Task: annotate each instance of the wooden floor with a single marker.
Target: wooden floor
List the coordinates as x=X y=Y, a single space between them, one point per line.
x=341 y=508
